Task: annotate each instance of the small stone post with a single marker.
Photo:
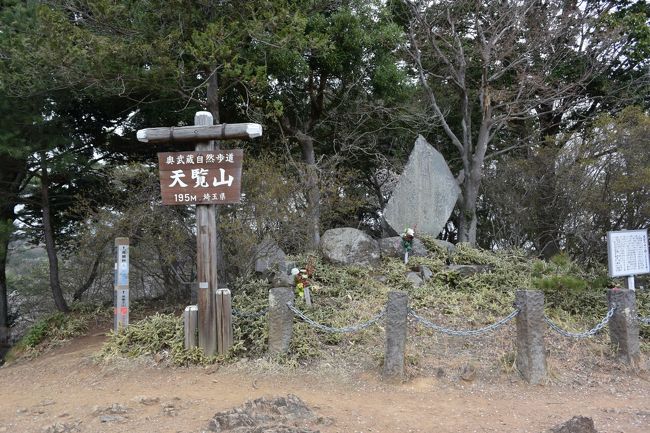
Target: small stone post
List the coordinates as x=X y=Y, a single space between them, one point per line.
x=623 y=326
x=531 y=353
x=280 y=320
x=396 y=320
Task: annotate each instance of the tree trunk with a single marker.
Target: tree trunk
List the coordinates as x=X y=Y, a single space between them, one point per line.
x=213 y=97
x=468 y=220
x=11 y=178
x=548 y=215
x=473 y=166
x=50 y=246
x=5 y=225
x=313 y=189
x=91 y=277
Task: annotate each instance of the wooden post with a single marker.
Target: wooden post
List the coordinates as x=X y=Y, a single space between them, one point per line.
x=190 y=321
x=207 y=320
x=208 y=132
x=202 y=132
x=206 y=257
x=224 y=320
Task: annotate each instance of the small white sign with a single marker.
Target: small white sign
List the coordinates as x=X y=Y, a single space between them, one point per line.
x=627 y=253
x=121 y=312
x=122 y=265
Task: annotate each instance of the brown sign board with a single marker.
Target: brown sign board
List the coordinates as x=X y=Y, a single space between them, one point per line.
x=205 y=177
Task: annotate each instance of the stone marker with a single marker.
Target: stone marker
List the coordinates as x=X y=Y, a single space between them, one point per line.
x=396 y=323
x=531 y=354
x=348 y=246
x=624 y=327
x=280 y=319
x=425 y=194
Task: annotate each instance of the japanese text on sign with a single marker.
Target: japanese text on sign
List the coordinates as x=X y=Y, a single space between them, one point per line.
x=205 y=177
x=628 y=253
x=122 y=265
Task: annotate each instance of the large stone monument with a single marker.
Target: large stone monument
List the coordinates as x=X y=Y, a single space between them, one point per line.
x=425 y=194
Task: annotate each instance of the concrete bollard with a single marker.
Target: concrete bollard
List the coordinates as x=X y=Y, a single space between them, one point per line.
x=280 y=320
x=396 y=321
x=623 y=326
x=531 y=353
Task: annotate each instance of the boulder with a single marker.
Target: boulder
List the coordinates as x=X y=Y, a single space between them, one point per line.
x=348 y=246
x=269 y=257
x=425 y=194
x=392 y=247
x=448 y=246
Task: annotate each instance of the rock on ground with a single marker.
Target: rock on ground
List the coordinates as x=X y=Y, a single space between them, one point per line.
x=277 y=415
x=392 y=247
x=348 y=246
x=577 y=424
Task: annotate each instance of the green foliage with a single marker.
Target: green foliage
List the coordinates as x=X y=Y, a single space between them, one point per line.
x=569 y=288
x=345 y=296
x=54 y=329
x=160 y=334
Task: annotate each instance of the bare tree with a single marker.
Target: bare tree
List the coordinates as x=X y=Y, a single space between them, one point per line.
x=485 y=66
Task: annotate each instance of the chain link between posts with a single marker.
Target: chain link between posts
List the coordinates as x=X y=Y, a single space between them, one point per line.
x=253 y=315
x=644 y=320
x=586 y=334
x=331 y=330
x=463 y=333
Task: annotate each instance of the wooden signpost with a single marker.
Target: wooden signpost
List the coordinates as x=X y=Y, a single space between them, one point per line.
x=215 y=180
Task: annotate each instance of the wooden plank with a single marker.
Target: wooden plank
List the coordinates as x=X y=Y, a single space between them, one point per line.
x=190 y=321
x=224 y=320
x=208 y=177
x=206 y=258
x=198 y=132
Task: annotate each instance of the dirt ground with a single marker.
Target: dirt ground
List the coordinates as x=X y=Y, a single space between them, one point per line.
x=65 y=390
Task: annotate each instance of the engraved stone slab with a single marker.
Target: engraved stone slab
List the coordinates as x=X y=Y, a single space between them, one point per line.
x=425 y=194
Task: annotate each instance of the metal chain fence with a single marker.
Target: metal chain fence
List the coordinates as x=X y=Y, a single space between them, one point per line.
x=253 y=315
x=332 y=330
x=586 y=334
x=461 y=333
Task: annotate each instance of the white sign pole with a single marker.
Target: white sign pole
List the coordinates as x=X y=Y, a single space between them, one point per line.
x=121 y=292
x=630 y=283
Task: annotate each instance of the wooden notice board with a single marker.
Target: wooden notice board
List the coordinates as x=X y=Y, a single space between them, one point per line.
x=201 y=177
